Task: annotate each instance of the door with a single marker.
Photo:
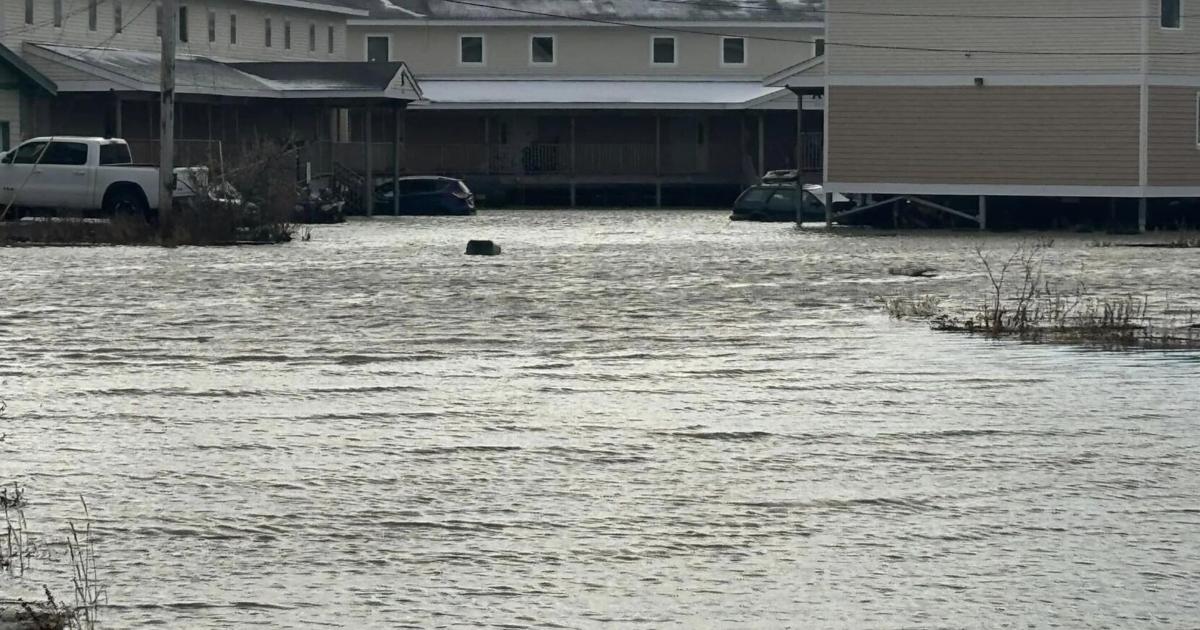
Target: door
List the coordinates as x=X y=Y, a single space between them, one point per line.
x=15 y=175
x=379 y=48
x=62 y=179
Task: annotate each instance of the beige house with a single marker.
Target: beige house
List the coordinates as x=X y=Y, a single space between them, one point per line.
x=573 y=101
x=1021 y=106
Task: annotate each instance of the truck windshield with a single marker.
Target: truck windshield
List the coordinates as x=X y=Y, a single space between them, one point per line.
x=116 y=153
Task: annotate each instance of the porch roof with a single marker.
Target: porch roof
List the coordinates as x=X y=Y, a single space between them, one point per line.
x=82 y=69
x=27 y=72
x=592 y=94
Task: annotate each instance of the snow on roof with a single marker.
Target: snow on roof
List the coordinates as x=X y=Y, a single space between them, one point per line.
x=649 y=10
x=484 y=93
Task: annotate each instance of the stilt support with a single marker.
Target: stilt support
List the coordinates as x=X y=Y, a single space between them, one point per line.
x=1143 y=211
x=982 y=212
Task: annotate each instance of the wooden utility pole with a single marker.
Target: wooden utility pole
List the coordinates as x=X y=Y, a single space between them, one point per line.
x=166 y=125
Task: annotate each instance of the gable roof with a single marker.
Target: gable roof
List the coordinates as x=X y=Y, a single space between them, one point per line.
x=26 y=71
x=325 y=6
x=765 y=11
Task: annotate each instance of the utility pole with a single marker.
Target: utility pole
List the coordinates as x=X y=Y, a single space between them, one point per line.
x=166 y=127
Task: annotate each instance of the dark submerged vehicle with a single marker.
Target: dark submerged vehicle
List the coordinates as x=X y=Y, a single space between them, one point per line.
x=426 y=196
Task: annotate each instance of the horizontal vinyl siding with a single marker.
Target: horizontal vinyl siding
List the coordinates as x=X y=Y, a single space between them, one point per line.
x=1036 y=136
x=973 y=33
x=140 y=30
x=587 y=51
x=1174 y=156
x=1184 y=40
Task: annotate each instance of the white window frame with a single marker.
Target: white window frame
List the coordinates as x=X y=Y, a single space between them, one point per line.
x=483 y=49
x=674 y=51
x=745 y=52
x=233 y=28
x=331 y=39
x=367 y=37
x=312 y=37
x=1171 y=28
x=212 y=24
x=553 y=47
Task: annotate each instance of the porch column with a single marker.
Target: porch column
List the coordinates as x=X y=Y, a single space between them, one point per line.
x=1143 y=212
x=397 y=140
x=658 y=160
x=369 y=166
x=487 y=144
x=800 y=158
x=762 y=150
x=982 y=212
x=118 y=116
x=574 y=163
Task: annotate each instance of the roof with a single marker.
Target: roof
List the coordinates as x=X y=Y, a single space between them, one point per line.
x=27 y=72
x=113 y=68
x=591 y=94
x=806 y=74
x=766 y=11
x=327 y=6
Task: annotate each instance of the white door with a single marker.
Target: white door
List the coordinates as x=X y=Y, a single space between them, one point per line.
x=16 y=175
x=61 y=179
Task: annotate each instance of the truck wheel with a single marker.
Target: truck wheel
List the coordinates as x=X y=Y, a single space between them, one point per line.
x=126 y=202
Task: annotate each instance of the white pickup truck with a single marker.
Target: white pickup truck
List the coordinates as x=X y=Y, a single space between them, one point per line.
x=77 y=173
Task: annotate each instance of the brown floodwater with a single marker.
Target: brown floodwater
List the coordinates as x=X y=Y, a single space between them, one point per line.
x=629 y=420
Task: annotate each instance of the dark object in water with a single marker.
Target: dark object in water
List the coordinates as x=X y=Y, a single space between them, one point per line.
x=913 y=271
x=482 y=248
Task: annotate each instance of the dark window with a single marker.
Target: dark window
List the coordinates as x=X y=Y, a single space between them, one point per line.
x=5 y=135
x=470 y=49
x=756 y=195
x=541 y=49
x=118 y=17
x=212 y=26
x=312 y=37
x=93 y=14
x=28 y=153
x=183 y=24
x=287 y=34
x=378 y=49
x=66 y=154
x=663 y=50
x=783 y=201
x=233 y=29
x=818 y=47
x=267 y=32
x=331 y=49
x=29 y=11
x=58 y=12
x=733 y=51
x=115 y=154
x=1171 y=16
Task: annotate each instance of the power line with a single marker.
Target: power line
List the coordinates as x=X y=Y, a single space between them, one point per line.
x=783 y=10
x=829 y=44
x=26 y=28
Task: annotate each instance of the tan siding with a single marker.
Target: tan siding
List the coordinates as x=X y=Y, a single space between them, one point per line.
x=994 y=135
x=966 y=33
x=140 y=31
x=585 y=51
x=1186 y=39
x=1174 y=155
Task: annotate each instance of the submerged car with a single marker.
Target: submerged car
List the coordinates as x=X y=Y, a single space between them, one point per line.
x=426 y=196
x=777 y=202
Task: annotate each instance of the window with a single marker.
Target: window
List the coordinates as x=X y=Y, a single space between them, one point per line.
x=287 y=34
x=470 y=50
x=118 y=16
x=733 y=51
x=784 y=200
x=1170 y=13
x=819 y=47
x=5 y=135
x=267 y=32
x=93 y=8
x=212 y=26
x=158 y=20
x=662 y=51
x=312 y=38
x=29 y=11
x=115 y=153
x=28 y=153
x=379 y=48
x=183 y=24
x=66 y=154
x=541 y=50
x=58 y=12
x=331 y=40
x=233 y=29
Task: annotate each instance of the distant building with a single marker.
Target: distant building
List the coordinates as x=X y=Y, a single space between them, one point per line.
x=1033 y=106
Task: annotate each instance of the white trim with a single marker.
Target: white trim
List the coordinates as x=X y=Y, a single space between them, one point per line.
x=313 y=6
x=964 y=80
x=1012 y=190
x=674 y=51
x=367 y=44
x=1168 y=29
x=553 y=50
x=581 y=22
x=482 y=47
x=721 y=51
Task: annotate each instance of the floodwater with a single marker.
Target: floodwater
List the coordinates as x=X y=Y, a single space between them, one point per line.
x=628 y=420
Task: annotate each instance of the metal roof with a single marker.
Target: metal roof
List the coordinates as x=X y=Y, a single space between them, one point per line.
x=639 y=10
x=592 y=94
x=26 y=71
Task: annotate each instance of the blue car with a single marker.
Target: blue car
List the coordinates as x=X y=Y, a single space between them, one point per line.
x=426 y=196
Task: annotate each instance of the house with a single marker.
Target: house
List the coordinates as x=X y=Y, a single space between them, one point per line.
x=1022 y=112
x=574 y=101
x=246 y=70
